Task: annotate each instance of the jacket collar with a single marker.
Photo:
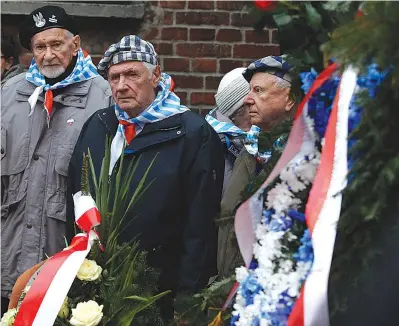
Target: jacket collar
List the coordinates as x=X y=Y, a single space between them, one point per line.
x=80 y=89
x=152 y=133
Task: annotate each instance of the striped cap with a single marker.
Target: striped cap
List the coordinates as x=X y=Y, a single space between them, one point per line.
x=231 y=92
x=129 y=48
x=275 y=65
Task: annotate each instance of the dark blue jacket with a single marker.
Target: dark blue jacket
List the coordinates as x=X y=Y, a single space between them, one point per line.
x=174 y=220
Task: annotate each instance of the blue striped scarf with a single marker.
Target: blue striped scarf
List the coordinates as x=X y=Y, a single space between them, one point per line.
x=251 y=137
x=84 y=70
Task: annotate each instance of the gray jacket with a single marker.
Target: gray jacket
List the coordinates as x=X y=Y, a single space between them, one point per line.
x=34 y=168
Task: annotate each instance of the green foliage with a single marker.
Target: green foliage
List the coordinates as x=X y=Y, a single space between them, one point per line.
x=304 y=26
x=127 y=287
x=201 y=309
x=369 y=195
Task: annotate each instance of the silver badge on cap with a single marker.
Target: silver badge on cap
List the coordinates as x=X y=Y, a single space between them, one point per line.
x=39 y=20
x=53 y=19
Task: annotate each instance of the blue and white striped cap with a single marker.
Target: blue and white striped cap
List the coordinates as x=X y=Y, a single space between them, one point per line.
x=275 y=65
x=129 y=48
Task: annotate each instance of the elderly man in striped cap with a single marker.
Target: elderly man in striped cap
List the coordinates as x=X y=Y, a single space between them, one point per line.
x=270 y=106
x=174 y=218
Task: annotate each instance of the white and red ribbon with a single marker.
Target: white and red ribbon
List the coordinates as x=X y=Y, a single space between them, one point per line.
x=44 y=299
x=323 y=209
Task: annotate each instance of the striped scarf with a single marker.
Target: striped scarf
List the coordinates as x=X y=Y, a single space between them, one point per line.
x=251 y=137
x=84 y=70
x=165 y=105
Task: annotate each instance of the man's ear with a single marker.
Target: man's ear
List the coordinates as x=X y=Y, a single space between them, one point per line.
x=290 y=104
x=9 y=62
x=156 y=76
x=291 y=101
x=76 y=44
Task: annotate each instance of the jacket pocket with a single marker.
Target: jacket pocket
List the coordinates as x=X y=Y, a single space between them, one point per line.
x=56 y=190
x=13 y=165
x=14 y=153
x=3 y=142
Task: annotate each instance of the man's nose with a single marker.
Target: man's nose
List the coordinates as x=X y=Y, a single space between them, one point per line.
x=248 y=99
x=48 y=55
x=121 y=84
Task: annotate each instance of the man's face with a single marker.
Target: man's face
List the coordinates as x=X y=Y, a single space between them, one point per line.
x=268 y=103
x=242 y=119
x=6 y=63
x=53 y=50
x=133 y=86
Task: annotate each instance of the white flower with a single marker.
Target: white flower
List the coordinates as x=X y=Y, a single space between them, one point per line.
x=241 y=274
x=87 y=314
x=89 y=271
x=26 y=289
x=9 y=317
x=64 y=311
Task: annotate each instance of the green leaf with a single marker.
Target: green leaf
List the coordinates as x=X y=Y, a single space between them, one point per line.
x=313 y=16
x=128 y=317
x=282 y=19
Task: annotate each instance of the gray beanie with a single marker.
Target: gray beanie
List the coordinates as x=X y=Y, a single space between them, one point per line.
x=231 y=92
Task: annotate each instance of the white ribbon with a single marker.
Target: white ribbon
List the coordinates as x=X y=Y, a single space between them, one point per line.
x=316 y=311
x=33 y=98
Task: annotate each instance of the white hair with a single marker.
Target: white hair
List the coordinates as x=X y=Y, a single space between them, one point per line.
x=281 y=83
x=150 y=67
x=68 y=34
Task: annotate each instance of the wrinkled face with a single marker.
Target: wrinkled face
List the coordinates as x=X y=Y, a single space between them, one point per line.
x=242 y=119
x=133 y=85
x=268 y=103
x=6 y=63
x=53 y=50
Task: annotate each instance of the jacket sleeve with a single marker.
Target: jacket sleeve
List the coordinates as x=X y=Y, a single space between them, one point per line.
x=202 y=191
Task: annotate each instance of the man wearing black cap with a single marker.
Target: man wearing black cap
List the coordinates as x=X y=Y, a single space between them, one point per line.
x=41 y=117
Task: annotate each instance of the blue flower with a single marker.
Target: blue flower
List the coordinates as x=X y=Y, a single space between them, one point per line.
x=267 y=215
x=253 y=264
x=305 y=251
x=372 y=79
x=233 y=319
x=249 y=288
x=294 y=214
x=307 y=79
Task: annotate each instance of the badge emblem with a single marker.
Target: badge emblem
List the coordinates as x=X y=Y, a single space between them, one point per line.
x=70 y=121
x=53 y=19
x=39 y=20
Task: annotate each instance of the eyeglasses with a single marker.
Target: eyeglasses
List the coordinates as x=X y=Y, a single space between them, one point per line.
x=55 y=47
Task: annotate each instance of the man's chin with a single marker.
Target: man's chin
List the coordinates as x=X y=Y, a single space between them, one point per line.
x=53 y=72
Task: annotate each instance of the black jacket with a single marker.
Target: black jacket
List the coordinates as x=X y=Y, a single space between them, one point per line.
x=174 y=220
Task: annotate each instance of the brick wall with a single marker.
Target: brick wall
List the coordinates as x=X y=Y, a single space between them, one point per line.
x=199 y=41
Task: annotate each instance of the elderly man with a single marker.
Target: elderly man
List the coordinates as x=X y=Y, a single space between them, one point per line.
x=41 y=117
x=9 y=66
x=230 y=118
x=270 y=106
x=174 y=219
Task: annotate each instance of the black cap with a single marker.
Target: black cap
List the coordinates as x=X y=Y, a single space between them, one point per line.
x=44 y=18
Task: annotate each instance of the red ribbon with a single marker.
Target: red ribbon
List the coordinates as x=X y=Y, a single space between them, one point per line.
x=48 y=102
x=317 y=197
x=34 y=298
x=89 y=219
